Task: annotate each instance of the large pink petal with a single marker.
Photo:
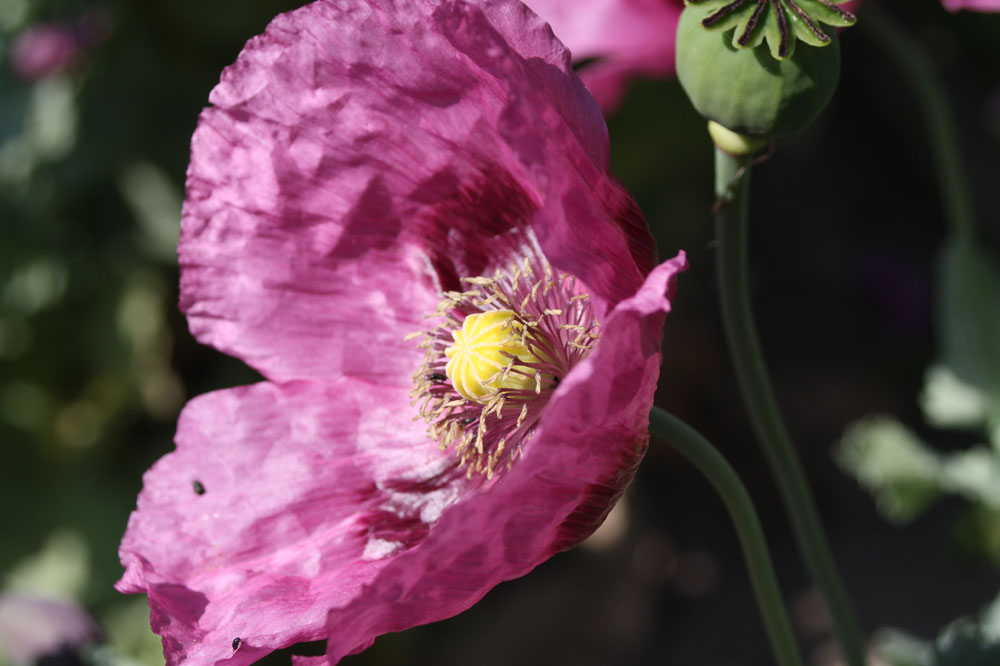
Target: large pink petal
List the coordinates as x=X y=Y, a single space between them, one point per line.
x=280 y=502
x=361 y=156
x=591 y=438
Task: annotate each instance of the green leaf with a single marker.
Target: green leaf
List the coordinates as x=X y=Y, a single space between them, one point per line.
x=156 y=206
x=975 y=474
x=130 y=641
x=898 y=469
x=899 y=648
x=949 y=402
x=977 y=534
x=60 y=569
x=964 y=642
x=969 y=295
x=989 y=621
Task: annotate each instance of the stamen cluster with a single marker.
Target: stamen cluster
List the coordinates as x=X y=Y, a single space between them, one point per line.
x=549 y=317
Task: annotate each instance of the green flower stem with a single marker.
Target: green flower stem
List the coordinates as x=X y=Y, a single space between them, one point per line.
x=734 y=494
x=732 y=186
x=921 y=74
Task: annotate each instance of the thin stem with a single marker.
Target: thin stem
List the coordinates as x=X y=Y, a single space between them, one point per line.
x=734 y=494
x=907 y=55
x=732 y=187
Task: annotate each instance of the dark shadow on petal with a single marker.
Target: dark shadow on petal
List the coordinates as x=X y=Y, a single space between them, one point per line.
x=423 y=486
x=399 y=526
x=371 y=224
x=472 y=227
x=170 y=605
x=624 y=210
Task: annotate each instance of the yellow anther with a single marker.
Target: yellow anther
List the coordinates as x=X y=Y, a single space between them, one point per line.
x=483 y=350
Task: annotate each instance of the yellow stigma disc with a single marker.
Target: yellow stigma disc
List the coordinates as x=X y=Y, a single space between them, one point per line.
x=483 y=349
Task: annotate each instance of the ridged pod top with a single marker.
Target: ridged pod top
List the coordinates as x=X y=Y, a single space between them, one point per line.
x=735 y=83
x=779 y=22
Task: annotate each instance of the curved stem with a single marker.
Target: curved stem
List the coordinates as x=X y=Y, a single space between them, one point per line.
x=732 y=187
x=734 y=494
x=908 y=56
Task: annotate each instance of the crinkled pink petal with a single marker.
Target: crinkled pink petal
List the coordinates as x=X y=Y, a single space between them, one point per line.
x=360 y=157
x=592 y=436
x=627 y=38
x=285 y=501
x=280 y=502
x=975 y=5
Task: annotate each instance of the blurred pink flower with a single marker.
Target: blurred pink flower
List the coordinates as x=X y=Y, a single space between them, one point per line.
x=613 y=41
x=624 y=38
x=44 y=49
x=975 y=5
x=35 y=630
x=364 y=163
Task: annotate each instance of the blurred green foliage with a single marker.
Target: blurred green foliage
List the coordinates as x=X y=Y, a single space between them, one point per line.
x=92 y=158
x=906 y=475
x=968 y=641
x=961 y=391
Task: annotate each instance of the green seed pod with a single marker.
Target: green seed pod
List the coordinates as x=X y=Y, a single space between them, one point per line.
x=745 y=89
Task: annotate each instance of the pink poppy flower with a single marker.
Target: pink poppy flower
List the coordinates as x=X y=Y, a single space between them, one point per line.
x=45 y=49
x=370 y=169
x=623 y=38
x=974 y=5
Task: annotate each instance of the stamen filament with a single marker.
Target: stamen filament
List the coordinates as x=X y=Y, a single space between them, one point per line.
x=502 y=347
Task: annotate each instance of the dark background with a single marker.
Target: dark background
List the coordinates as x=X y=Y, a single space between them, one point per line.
x=847 y=223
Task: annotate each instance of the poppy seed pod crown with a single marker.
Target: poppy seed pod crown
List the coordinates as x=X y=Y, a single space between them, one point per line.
x=762 y=91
